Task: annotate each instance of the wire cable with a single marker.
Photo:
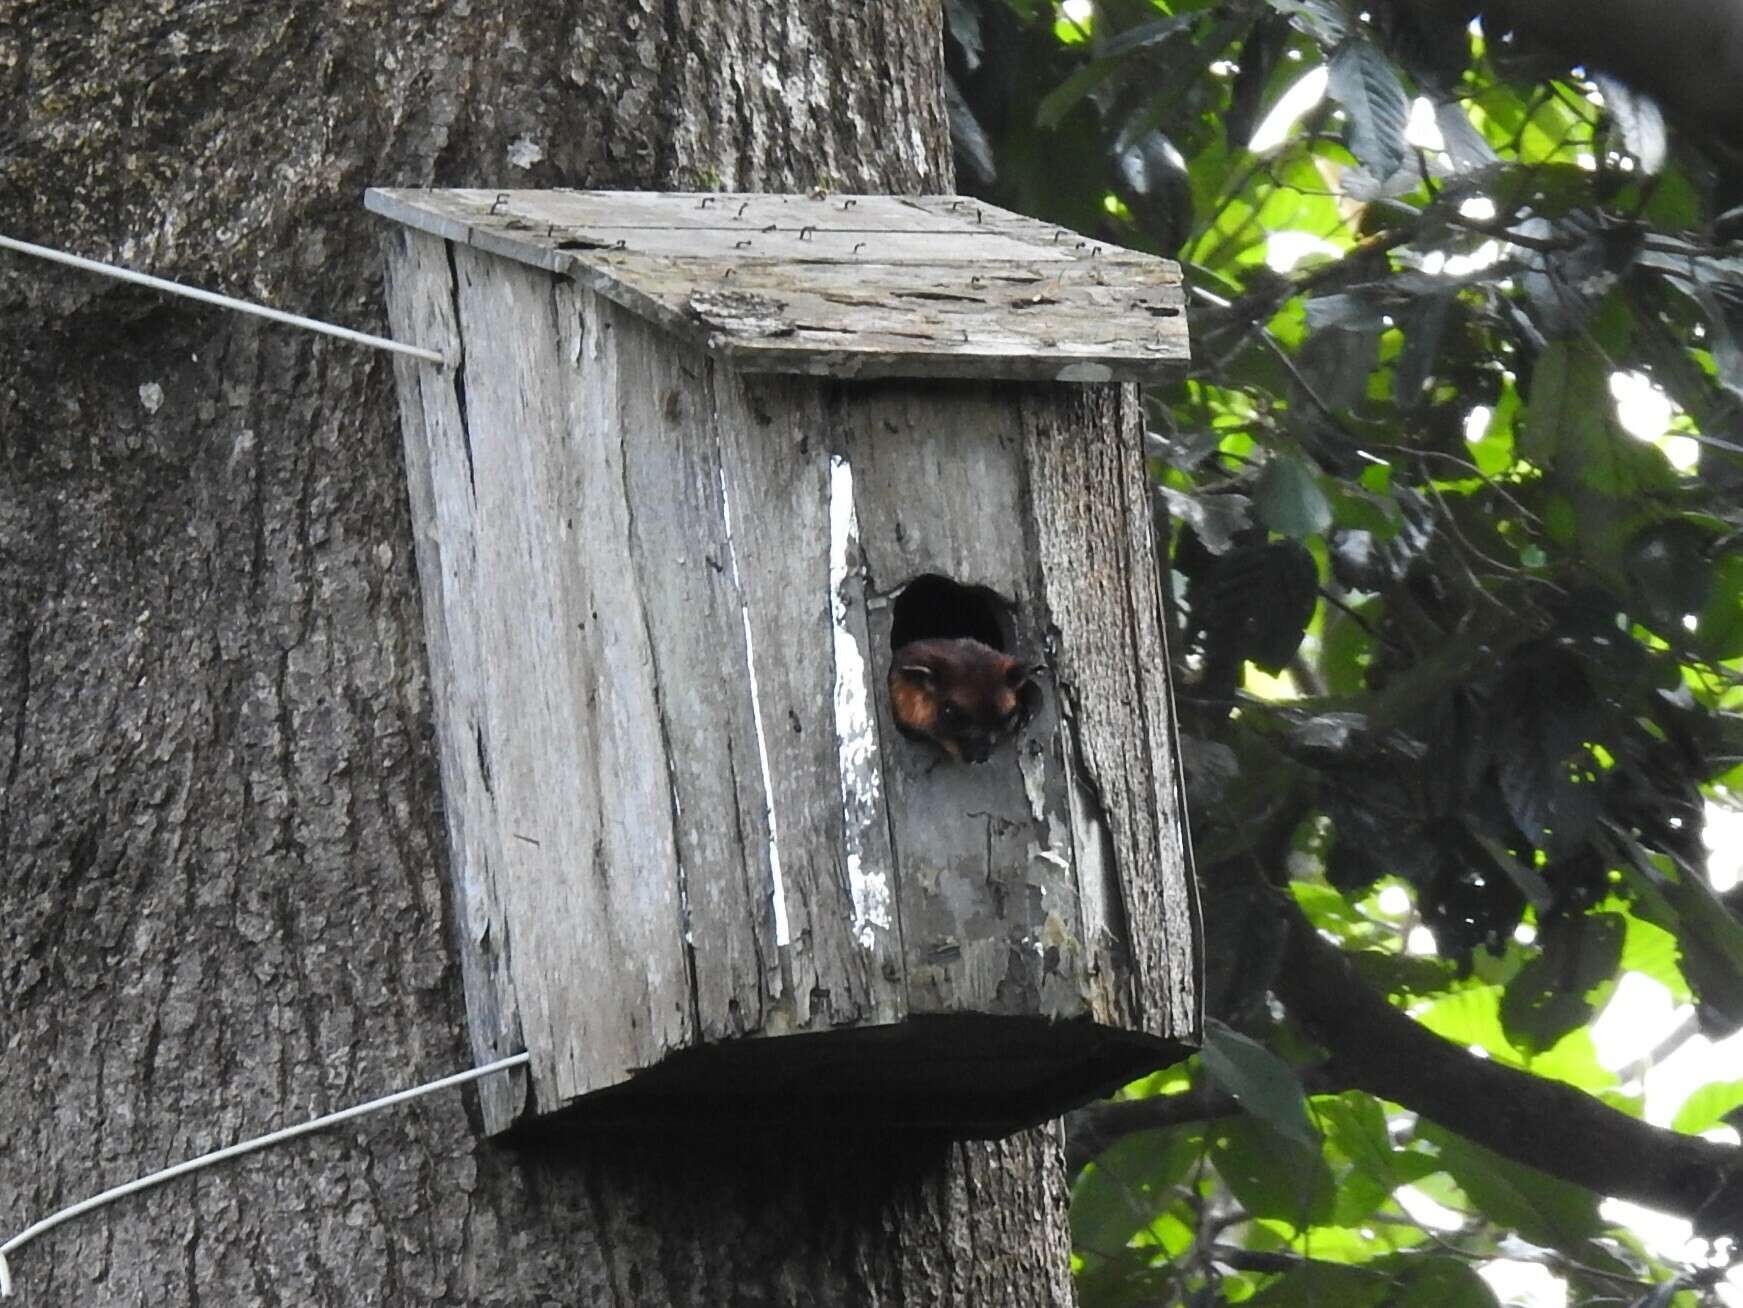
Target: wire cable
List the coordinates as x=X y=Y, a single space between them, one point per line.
x=224 y=301
x=48 y=1223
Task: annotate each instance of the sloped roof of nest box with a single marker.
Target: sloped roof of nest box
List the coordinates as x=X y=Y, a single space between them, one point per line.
x=840 y=285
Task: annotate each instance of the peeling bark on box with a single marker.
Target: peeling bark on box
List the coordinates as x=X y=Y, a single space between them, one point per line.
x=988 y=905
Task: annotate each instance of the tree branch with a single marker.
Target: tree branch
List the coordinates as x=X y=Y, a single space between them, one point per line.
x=1095 y=1127
x=1545 y=1124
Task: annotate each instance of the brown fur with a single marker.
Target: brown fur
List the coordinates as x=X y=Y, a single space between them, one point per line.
x=958 y=694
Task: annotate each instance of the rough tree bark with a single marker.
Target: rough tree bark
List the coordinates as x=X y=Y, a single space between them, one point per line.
x=221 y=884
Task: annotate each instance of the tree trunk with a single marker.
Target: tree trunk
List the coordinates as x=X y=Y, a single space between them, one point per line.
x=222 y=893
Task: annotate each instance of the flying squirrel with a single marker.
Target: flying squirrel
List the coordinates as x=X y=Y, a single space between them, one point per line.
x=958 y=694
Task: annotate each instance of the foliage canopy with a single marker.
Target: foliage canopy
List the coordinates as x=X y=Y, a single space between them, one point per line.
x=1461 y=632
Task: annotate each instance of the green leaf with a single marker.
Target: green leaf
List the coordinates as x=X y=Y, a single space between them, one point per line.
x=1128 y=1184
x=1272 y=1175
x=1552 y=994
x=1466 y=145
x=1324 y=20
x=1574 y=1060
x=1070 y=93
x=1355 y=1126
x=1361 y=510
x=1708 y=1107
x=1130 y=1278
x=1720 y=627
x=1540 y=1208
x=1110 y=59
x=1364 y=82
x=1289 y=500
x=1435 y=1282
x=1684 y=903
x=1470 y=1016
x=1325 y=1283
x=1256 y=603
x=1548 y=712
x=1359 y=1197
x=1261 y=1082
x=1402 y=975
x=1653 y=952
x=1347 y=310
x=1569 y=396
x=1346 y=646
x=1139 y=35
x=1528 y=880
x=1671 y=575
x=1670 y=202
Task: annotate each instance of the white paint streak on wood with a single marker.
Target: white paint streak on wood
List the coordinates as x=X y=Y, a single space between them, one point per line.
x=777 y=884
x=777 y=474
x=941 y=489
x=861 y=787
x=680 y=549
x=643 y=566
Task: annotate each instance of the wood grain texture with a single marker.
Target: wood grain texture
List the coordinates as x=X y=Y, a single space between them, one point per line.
x=1103 y=595
x=571 y=721
x=658 y=415
x=989 y=908
x=658 y=588
x=520 y=224
x=840 y=285
x=777 y=480
x=434 y=430
x=874 y=877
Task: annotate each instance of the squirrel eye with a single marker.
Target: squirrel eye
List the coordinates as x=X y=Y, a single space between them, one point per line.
x=950 y=714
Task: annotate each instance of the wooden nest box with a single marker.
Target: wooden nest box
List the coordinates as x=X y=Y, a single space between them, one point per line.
x=698 y=466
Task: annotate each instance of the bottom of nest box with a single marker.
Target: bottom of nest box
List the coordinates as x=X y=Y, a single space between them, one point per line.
x=972 y=1077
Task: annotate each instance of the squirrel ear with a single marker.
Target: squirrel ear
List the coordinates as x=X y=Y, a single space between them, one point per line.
x=918 y=671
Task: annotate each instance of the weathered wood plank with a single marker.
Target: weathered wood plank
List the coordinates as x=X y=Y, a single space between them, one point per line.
x=1039 y=236
x=561 y=247
x=661 y=595
x=1103 y=594
x=873 y=877
x=989 y=912
x=464 y=208
x=777 y=466
x=846 y=286
x=421 y=307
x=683 y=569
x=570 y=721
x=535 y=220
